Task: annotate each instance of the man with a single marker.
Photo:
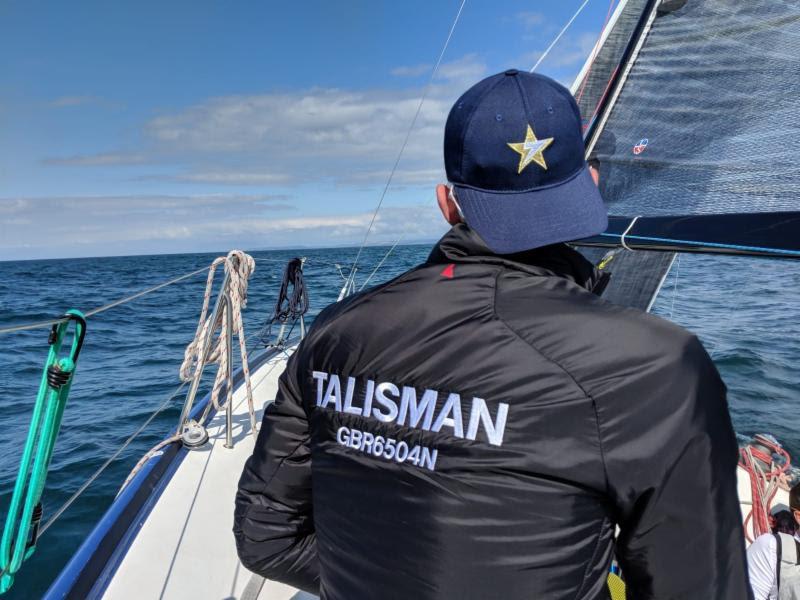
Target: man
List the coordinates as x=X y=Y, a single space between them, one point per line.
x=479 y=426
x=773 y=560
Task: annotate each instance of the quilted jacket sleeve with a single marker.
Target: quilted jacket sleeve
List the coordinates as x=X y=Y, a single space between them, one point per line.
x=273 y=523
x=671 y=458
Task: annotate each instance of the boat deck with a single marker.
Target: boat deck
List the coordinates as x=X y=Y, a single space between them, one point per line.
x=185 y=548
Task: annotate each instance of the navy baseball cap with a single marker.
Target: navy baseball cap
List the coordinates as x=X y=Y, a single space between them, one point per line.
x=514 y=152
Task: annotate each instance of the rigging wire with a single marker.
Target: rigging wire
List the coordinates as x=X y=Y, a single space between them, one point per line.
x=127 y=299
x=560 y=33
x=383 y=260
x=132 y=297
x=105 y=307
x=108 y=461
x=675 y=286
x=425 y=92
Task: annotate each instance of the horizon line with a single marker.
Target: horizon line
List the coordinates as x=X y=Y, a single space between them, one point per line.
x=263 y=249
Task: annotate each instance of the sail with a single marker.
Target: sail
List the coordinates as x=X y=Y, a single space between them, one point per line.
x=593 y=82
x=708 y=118
x=636 y=277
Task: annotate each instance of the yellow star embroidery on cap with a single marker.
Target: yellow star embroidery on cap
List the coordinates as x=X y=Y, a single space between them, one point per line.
x=531 y=150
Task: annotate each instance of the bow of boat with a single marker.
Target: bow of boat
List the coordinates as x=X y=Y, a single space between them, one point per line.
x=168 y=533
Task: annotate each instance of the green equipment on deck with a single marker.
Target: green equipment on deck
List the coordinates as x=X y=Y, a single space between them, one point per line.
x=25 y=511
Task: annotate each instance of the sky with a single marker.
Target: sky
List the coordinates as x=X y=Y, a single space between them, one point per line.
x=157 y=127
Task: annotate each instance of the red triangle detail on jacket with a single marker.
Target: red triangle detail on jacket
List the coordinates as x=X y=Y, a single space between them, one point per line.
x=448 y=271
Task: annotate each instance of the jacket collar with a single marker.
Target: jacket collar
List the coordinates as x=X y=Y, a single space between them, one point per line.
x=463 y=245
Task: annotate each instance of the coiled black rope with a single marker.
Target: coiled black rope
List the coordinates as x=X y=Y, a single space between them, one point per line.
x=56 y=378
x=292 y=302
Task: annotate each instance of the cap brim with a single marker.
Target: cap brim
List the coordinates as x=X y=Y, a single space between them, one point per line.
x=512 y=222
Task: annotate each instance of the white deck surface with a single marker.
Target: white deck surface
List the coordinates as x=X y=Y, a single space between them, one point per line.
x=186 y=548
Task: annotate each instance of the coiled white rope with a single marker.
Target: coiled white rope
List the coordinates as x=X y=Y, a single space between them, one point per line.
x=239 y=266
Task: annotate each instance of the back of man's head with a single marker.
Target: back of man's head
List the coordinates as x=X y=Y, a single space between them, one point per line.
x=514 y=152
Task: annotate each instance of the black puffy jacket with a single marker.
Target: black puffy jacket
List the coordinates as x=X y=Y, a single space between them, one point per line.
x=477 y=428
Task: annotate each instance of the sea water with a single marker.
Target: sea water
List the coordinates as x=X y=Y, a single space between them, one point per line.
x=744 y=310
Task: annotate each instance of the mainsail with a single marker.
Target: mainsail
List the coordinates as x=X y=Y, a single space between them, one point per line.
x=702 y=120
x=636 y=276
x=592 y=84
x=691 y=113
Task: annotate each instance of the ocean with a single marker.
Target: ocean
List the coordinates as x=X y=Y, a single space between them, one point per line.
x=745 y=311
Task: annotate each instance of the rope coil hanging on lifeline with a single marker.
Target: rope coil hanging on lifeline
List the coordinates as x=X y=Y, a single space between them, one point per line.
x=239 y=266
x=25 y=511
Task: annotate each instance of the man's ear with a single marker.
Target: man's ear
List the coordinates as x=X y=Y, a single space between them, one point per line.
x=595 y=174
x=446 y=205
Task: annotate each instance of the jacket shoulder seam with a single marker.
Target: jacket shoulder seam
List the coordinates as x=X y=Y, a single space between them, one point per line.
x=528 y=343
x=572 y=378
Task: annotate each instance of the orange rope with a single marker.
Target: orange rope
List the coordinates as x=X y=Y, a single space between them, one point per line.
x=763 y=484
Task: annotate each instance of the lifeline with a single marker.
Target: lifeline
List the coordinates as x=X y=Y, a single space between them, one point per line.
x=390 y=403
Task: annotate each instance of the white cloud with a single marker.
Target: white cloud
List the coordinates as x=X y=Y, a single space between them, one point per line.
x=64 y=212
x=462 y=72
x=409 y=222
x=221 y=177
x=306 y=135
x=411 y=71
x=530 y=19
x=102 y=159
x=85 y=226
x=310 y=127
x=570 y=52
x=401 y=178
x=64 y=101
